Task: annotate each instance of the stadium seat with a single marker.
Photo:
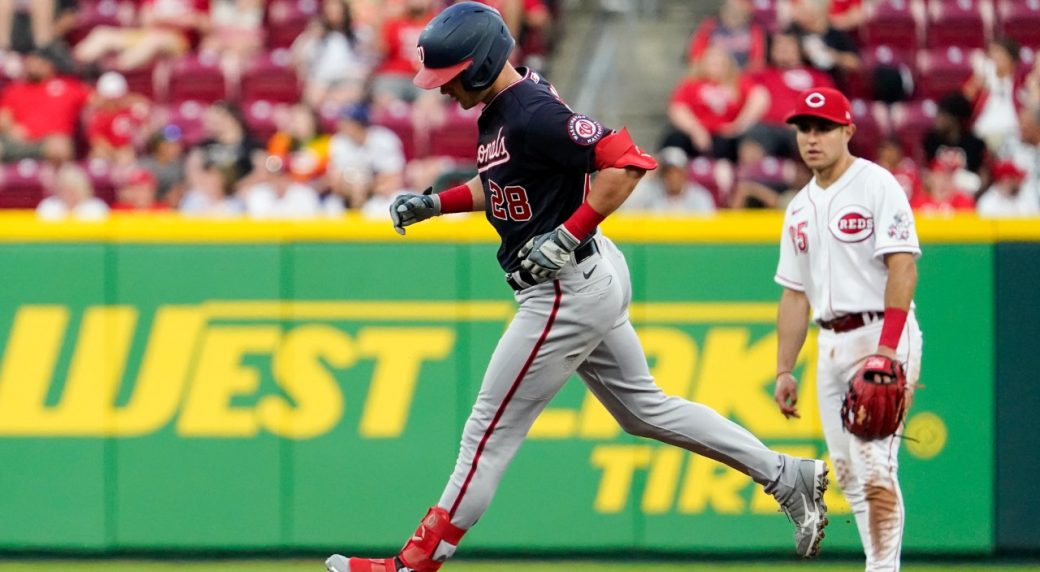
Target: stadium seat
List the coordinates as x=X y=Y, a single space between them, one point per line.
x=861 y=85
x=715 y=175
x=141 y=80
x=1020 y=21
x=20 y=185
x=102 y=179
x=458 y=136
x=196 y=78
x=770 y=171
x=765 y=13
x=92 y=14
x=187 y=116
x=270 y=76
x=910 y=122
x=942 y=71
x=894 y=24
x=259 y=116
x=286 y=19
x=398 y=119
x=961 y=23
x=869 y=131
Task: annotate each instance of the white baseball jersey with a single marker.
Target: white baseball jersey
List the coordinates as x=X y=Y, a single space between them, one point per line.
x=836 y=238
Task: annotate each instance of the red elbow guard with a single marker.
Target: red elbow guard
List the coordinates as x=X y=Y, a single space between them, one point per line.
x=618 y=150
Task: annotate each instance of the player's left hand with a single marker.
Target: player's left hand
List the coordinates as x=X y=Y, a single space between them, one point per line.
x=544 y=255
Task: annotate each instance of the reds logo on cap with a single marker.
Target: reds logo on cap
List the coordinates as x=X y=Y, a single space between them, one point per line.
x=824 y=103
x=815 y=100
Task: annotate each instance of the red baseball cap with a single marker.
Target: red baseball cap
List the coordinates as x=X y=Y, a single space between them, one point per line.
x=141 y=176
x=1007 y=169
x=823 y=102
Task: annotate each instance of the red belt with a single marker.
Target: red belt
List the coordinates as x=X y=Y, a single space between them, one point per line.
x=850 y=322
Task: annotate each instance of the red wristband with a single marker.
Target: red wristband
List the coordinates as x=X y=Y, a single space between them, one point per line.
x=456 y=200
x=583 y=221
x=892 y=330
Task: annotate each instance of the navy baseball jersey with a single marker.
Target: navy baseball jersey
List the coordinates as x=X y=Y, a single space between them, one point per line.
x=534 y=158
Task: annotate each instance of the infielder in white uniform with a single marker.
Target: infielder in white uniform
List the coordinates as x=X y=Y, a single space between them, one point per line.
x=849 y=252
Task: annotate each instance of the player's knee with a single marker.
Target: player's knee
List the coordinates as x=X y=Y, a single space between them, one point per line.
x=638 y=428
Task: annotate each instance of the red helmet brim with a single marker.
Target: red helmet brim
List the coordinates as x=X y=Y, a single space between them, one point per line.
x=433 y=78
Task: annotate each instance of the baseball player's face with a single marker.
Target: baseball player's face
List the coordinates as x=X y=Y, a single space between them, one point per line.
x=466 y=99
x=822 y=143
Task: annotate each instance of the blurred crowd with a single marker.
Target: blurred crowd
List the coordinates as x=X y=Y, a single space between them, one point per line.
x=219 y=108
x=945 y=93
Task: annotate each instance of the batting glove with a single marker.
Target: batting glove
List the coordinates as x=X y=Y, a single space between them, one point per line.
x=545 y=254
x=408 y=209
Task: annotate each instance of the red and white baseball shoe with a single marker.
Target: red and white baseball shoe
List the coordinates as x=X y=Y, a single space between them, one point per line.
x=339 y=563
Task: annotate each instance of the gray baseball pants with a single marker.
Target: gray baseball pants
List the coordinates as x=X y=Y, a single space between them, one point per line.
x=579 y=322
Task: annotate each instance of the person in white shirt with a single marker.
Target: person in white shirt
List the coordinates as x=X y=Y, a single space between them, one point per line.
x=1006 y=197
x=279 y=196
x=848 y=252
x=671 y=190
x=73 y=197
x=364 y=159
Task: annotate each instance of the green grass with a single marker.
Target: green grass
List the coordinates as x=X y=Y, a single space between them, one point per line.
x=485 y=566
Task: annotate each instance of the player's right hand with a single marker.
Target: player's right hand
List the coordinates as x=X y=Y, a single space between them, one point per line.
x=408 y=209
x=786 y=395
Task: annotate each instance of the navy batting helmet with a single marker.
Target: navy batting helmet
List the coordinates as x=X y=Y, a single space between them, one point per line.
x=467 y=39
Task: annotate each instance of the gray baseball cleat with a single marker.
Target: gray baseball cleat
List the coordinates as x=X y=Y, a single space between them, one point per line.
x=803 y=504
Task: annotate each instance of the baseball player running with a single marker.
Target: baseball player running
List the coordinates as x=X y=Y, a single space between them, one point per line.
x=572 y=285
x=849 y=252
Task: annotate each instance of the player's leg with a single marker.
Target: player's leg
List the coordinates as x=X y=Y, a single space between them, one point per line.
x=832 y=371
x=535 y=356
x=616 y=372
x=876 y=466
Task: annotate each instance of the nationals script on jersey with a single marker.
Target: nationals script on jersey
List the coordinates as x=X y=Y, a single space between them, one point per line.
x=836 y=238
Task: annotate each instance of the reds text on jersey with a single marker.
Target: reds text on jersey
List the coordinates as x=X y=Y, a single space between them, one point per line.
x=534 y=158
x=835 y=240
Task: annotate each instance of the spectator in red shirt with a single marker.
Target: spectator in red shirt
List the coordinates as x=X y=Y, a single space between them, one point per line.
x=165 y=27
x=39 y=115
x=786 y=77
x=114 y=119
x=400 y=59
x=139 y=192
x=711 y=109
x=890 y=156
x=943 y=196
x=734 y=31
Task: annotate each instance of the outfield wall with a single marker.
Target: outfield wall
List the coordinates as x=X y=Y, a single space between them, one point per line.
x=195 y=385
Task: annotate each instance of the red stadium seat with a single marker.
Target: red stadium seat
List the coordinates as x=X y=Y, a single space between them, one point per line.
x=102 y=179
x=398 y=119
x=942 y=71
x=286 y=19
x=869 y=131
x=959 y=23
x=259 y=116
x=770 y=171
x=141 y=80
x=92 y=14
x=893 y=23
x=196 y=78
x=765 y=13
x=270 y=76
x=910 y=122
x=861 y=85
x=458 y=136
x=1020 y=21
x=715 y=175
x=20 y=185
x=187 y=116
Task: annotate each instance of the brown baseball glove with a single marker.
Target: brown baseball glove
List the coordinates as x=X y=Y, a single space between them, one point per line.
x=876 y=401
